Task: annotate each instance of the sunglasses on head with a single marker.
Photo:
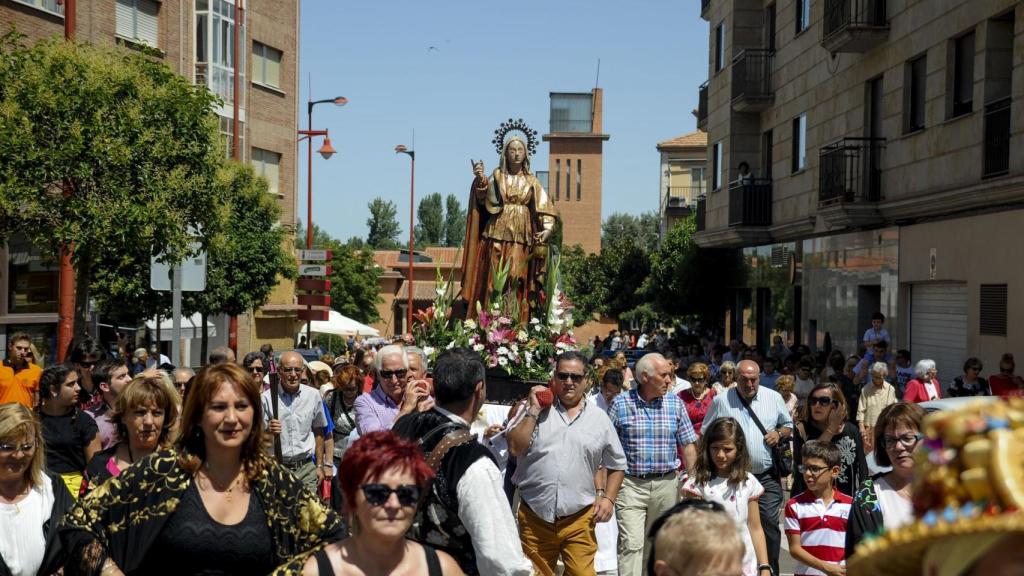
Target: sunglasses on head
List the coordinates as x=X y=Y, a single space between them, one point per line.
x=377 y=494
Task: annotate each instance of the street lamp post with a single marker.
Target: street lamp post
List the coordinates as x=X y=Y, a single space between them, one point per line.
x=401 y=149
x=326 y=150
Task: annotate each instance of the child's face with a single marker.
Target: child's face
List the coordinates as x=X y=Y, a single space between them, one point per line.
x=723 y=454
x=902 y=361
x=817 y=475
x=876 y=324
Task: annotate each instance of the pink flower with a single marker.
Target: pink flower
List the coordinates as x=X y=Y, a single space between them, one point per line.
x=505 y=321
x=492 y=361
x=485 y=320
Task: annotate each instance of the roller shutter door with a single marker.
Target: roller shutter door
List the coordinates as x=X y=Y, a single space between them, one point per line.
x=938 y=328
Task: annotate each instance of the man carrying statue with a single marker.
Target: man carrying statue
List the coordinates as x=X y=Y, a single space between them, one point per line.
x=509 y=225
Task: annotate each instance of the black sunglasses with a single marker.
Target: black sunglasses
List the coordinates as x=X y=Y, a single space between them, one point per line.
x=570 y=376
x=377 y=494
x=821 y=401
x=387 y=374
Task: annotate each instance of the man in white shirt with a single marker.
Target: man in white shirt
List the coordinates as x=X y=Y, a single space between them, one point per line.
x=466 y=513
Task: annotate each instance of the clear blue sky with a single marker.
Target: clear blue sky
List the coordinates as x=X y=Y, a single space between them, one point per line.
x=452 y=70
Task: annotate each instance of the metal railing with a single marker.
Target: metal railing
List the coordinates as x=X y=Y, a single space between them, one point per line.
x=841 y=14
x=752 y=75
x=750 y=202
x=702 y=213
x=702 y=106
x=850 y=171
x=683 y=196
x=996 y=153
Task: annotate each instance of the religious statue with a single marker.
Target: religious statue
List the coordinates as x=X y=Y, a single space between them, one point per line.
x=509 y=224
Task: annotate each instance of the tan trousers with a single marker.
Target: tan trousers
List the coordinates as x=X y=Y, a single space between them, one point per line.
x=638 y=505
x=572 y=538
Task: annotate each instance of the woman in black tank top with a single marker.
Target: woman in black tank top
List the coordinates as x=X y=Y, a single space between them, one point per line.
x=382 y=478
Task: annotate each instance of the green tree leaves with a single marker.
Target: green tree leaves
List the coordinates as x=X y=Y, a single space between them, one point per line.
x=430 y=221
x=454 y=222
x=383 y=225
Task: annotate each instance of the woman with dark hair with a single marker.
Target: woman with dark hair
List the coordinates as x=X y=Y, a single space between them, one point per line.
x=883 y=503
x=255 y=363
x=71 y=435
x=144 y=415
x=214 y=503
x=384 y=481
x=971 y=383
x=823 y=418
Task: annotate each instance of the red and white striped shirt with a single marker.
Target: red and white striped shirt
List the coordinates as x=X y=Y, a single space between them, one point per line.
x=822 y=529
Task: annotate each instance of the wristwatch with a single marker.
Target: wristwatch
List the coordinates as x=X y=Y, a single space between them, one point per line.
x=767 y=567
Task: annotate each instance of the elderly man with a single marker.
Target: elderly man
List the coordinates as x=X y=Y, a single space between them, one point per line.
x=300 y=423
x=181 y=377
x=652 y=427
x=379 y=409
x=570 y=468
x=222 y=355
x=740 y=402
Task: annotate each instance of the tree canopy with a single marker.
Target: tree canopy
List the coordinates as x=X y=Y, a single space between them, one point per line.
x=454 y=222
x=430 y=221
x=383 y=225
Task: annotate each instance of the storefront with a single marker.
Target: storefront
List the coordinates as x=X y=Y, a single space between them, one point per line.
x=29 y=295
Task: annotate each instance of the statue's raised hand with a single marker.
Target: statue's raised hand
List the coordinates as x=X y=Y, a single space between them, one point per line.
x=478 y=169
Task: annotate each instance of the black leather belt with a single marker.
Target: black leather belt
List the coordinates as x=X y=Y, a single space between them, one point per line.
x=652 y=475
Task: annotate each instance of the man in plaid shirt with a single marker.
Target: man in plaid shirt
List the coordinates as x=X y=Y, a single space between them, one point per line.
x=651 y=425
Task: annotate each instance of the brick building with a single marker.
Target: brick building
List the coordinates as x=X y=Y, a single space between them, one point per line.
x=884 y=140
x=195 y=37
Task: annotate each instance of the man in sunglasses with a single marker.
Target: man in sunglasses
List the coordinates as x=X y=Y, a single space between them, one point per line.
x=379 y=409
x=562 y=448
x=301 y=423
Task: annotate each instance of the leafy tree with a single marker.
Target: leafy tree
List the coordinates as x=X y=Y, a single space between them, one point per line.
x=454 y=222
x=107 y=149
x=354 y=283
x=430 y=215
x=583 y=282
x=643 y=229
x=383 y=225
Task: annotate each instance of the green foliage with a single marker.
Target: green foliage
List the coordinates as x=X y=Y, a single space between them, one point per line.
x=642 y=229
x=583 y=282
x=109 y=149
x=430 y=221
x=383 y=225
x=454 y=222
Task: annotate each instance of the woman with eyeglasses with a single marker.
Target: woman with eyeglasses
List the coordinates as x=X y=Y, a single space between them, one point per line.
x=883 y=502
x=726 y=377
x=971 y=383
x=383 y=481
x=214 y=503
x=255 y=363
x=695 y=538
x=71 y=435
x=925 y=385
x=32 y=500
x=824 y=418
x=699 y=396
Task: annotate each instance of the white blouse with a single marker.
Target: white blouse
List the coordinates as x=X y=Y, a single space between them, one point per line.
x=896 y=510
x=22 y=544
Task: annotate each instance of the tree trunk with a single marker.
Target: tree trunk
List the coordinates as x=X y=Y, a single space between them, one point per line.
x=204 y=340
x=82 y=277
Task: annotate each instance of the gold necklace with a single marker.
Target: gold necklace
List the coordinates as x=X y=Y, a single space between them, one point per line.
x=226 y=491
x=14 y=501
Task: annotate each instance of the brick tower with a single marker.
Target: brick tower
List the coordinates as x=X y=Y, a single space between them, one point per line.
x=575 y=145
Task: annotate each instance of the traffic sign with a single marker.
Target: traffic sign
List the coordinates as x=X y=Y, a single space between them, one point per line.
x=315 y=255
x=313 y=285
x=314 y=270
x=314 y=299
x=193 y=272
x=310 y=315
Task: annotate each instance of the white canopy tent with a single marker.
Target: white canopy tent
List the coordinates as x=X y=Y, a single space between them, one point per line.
x=191 y=327
x=340 y=325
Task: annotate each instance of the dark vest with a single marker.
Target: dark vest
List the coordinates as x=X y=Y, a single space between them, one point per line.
x=437 y=521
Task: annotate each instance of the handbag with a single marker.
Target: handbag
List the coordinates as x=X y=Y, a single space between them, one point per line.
x=782 y=453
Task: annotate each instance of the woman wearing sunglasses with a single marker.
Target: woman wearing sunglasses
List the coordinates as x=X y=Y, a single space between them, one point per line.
x=823 y=418
x=384 y=478
x=883 y=502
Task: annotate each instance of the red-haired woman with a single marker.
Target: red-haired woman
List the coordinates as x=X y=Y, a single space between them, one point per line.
x=212 y=504
x=383 y=481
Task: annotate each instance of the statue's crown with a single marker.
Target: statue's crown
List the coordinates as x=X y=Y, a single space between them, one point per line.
x=515 y=127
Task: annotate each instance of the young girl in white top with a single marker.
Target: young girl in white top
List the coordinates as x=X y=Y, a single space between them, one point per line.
x=722 y=474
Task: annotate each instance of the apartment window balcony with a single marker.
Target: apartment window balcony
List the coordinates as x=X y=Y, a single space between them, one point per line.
x=750 y=203
x=752 y=80
x=681 y=199
x=854 y=25
x=850 y=182
x=702 y=211
x=996 y=161
x=702 y=107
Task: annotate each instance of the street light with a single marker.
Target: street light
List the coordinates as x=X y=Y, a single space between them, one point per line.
x=401 y=149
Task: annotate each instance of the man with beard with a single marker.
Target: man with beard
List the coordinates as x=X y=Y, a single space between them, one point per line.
x=465 y=513
x=19 y=378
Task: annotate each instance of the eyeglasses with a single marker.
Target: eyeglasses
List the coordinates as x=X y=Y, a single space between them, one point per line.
x=699 y=379
x=8 y=449
x=907 y=440
x=814 y=470
x=388 y=374
x=570 y=376
x=291 y=369
x=259 y=369
x=378 y=494
x=821 y=401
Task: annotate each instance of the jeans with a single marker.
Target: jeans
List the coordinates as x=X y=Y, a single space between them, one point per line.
x=769 y=506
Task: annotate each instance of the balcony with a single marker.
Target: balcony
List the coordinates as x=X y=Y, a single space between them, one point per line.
x=750 y=203
x=752 y=80
x=854 y=25
x=702 y=107
x=850 y=182
x=702 y=211
x=682 y=198
x=996 y=161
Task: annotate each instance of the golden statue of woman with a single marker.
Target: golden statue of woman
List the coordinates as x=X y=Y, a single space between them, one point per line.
x=509 y=223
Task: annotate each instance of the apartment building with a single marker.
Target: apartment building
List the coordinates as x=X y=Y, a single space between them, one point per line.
x=196 y=39
x=884 y=143
x=683 y=177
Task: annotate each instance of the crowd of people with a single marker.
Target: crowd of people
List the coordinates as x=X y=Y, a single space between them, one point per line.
x=380 y=461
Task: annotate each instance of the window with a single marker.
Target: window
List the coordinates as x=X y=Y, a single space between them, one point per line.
x=558 y=179
x=267 y=164
x=799 y=143
x=963 y=76
x=579 y=180
x=992 y=316
x=226 y=131
x=716 y=166
x=31 y=277
x=572 y=112
x=215 y=66
x=769 y=27
x=803 y=15
x=568 y=179
x=766 y=154
x=137 y=21
x=698 y=180
x=48 y=5
x=266 y=65
x=719 y=46
x=913 y=94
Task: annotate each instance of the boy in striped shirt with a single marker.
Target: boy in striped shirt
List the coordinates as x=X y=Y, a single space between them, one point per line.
x=816 y=518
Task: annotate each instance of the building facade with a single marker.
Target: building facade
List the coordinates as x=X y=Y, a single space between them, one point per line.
x=682 y=177
x=196 y=39
x=884 y=144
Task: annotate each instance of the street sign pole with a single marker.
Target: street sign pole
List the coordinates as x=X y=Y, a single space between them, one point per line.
x=176 y=314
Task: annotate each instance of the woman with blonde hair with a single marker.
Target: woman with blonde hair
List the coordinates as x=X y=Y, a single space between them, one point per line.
x=32 y=501
x=619 y=361
x=726 y=377
x=212 y=503
x=699 y=395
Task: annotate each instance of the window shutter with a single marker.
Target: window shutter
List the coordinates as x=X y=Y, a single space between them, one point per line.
x=124 y=13
x=148 y=22
x=272 y=77
x=272 y=171
x=992 y=316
